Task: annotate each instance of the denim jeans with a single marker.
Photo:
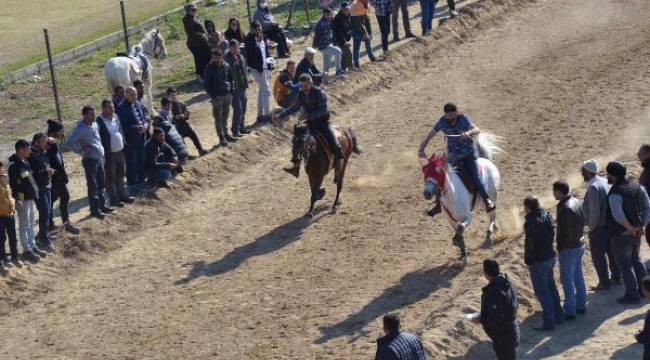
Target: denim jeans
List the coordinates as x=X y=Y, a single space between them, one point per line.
x=428 y=9
x=44 y=206
x=8 y=231
x=94 y=170
x=402 y=5
x=331 y=58
x=239 y=103
x=134 y=157
x=471 y=165
x=356 y=47
x=26 y=221
x=626 y=249
x=573 y=281
x=541 y=275
x=505 y=349
x=601 y=255
x=384 y=30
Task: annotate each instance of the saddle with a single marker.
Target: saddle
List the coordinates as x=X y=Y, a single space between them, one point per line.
x=139 y=63
x=465 y=178
x=320 y=139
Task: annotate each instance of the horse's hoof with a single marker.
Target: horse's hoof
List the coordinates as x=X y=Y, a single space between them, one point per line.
x=309 y=215
x=335 y=210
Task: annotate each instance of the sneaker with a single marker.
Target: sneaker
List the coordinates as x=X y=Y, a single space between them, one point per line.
x=127 y=199
x=395 y=38
x=17 y=262
x=453 y=13
x=106 y=210
x=244 y=131
x=97 y=215
x=223 y=142
x=236 y=134
x=8 y=264
x=164 y=184
x=118 y=204
x=39 y=252
x=409 y=35
x=31 y=257
x=601 y=287
x=341 y=72
x=67 y=226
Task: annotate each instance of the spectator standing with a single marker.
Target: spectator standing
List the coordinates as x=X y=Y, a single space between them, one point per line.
x=383 y=10
x=172 y=137
x=59 y=178
x=594 y=206
x=25 y=193
x=218 y=83
x=239 y=69
x=324 y=42
x=85 y=140
x=539 y=256
x=361 y=31
x=112 y=139
x=452 y=8
x=428 y=10
x=571 y=249
x=7 y=222
x=118 y=95
x=197 y=40
x=308 y=66
x=140 y=102
x=271 y=29
x=160 y=159
x=134 y=127
x=234 y=31
x=499 y=311
x=39 y=162
x=342 y=35
x=215 y=39
x=402 y=5
x=397 y=344
x=284 y=91
x=257 y=54
x=644 y=180
x=181 y=118
x=643 y=336
x=628 y=213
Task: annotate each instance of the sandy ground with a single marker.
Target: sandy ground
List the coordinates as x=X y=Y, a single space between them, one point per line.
x=226 y=267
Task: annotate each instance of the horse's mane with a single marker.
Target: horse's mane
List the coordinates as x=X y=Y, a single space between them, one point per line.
x=489 y=145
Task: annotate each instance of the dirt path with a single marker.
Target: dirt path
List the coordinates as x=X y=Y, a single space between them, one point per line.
x=230 y=270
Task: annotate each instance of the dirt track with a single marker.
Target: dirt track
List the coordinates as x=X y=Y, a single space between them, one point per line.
x=229 y=269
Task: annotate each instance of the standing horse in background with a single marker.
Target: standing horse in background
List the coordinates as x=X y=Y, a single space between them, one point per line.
x=457 y=200
x=319 y=159
x=136 y=65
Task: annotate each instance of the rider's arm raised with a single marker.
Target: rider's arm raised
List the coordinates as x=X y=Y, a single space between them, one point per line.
x=425 y=142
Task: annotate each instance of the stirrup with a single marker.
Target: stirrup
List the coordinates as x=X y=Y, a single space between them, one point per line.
x=489 y=206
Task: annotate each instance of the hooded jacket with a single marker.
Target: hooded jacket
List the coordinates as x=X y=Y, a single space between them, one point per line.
x=499 y=309
x=540 y=234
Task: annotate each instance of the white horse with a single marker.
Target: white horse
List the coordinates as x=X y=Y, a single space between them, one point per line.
x=457 y=202
x=124 y=70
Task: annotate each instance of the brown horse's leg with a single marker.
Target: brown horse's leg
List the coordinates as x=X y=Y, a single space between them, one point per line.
x=339 y=186
x=315 y=182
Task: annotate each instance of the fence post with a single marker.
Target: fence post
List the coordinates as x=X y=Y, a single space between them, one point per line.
x=54 y=89
x=126 y=31
x=248 y=8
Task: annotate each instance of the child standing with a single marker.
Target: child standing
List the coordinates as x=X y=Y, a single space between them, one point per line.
x=7 y=224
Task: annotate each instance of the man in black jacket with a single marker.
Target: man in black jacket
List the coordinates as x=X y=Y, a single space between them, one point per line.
x=307 y=66
x=397 y=344
x=181 y=118
x=39 y=162
x=218 y=82
x=571 y=249
x=160 y=160
x=59 y=178
x=540 y=258
x=343 y=36
x=499 y=311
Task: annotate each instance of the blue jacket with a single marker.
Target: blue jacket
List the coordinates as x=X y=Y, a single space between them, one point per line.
x=85 y=140
x=400 y=346
x=130 y=123
x=218 y=79
x=323 y=34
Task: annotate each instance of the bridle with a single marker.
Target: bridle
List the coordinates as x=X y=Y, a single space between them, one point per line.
x=157 y=43
x=305 y=146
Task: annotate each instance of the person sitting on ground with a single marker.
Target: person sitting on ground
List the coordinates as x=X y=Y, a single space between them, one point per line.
x=307 y=66
x=539 y=256
x=643 y=336
x=499 y=311
x=324 y=42
x=25 y=194
x=42 y=172
x=316 y=114
x=397 y=344
x=215 y=39
x=272 y=28
x=118 y=95
x=181 y=118
x=60 y=177
x=343 y=35
x=7 y=223
x=172 y=137
x=285 y=91
x=161 y=162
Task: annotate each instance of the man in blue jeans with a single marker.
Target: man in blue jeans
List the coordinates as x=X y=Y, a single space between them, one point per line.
x=571 y=247
x=360 y=31
x=628 y=214
x=428 y=10
x=539 y=256
x=85 y=140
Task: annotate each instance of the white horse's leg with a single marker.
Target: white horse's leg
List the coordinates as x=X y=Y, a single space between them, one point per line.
x=459 y=237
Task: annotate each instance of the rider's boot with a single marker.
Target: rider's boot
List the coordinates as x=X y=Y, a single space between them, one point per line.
x=437 y=208
x=294 y=169
x=489 y=205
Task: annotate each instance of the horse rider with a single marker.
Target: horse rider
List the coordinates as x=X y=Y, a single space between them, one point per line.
x=316 y=113
x=459 y=130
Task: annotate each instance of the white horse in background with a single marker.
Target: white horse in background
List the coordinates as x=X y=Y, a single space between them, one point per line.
x=124 y=70
x=457 y=201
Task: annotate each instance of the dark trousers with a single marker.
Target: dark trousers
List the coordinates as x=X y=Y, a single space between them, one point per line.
x=60 y=192
x=185 y=130
x=451 y=5
x=278 y=37
x=471 y=165
x=384 y=29
x=601 y=255
x=94 y=170
x=541 y=275
x=346 y=58
x=134 y=158
x=8 y=231
x=44 y=206
x=626 y=250
x=357 y=39
x=428 y=9
x=115 y=168
x=201 y=58
x=402 y=5
x=239 y=102
x=323 y=127
x=505 y=349
x=289 y=99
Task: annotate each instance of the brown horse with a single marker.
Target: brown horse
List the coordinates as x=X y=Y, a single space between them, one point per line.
x=319 y=159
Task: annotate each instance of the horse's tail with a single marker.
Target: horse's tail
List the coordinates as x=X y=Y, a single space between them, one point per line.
x=489 y=145
x=356 y=147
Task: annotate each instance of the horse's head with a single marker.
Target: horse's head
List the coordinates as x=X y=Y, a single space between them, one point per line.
x=301 y=142
x=434 y=175
x=155 y=45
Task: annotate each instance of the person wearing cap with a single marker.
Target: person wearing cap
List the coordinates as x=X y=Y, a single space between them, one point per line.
x=342 y=35
x=428 y=11
x=628 y=214
x=324 y=42
x=539 y=256
x=285 y=91
x=460 y=149
x=498 y=314
x=25 y=193
x=644 y=179
x=398 y=344
x=383 y=11
x=181 y=118
x=197 y=40
x=593 y=209
x=240 y=86
x=361 y=31
x=307 y=66
x=257 y=55
x=218 y=83
x=271 y=28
